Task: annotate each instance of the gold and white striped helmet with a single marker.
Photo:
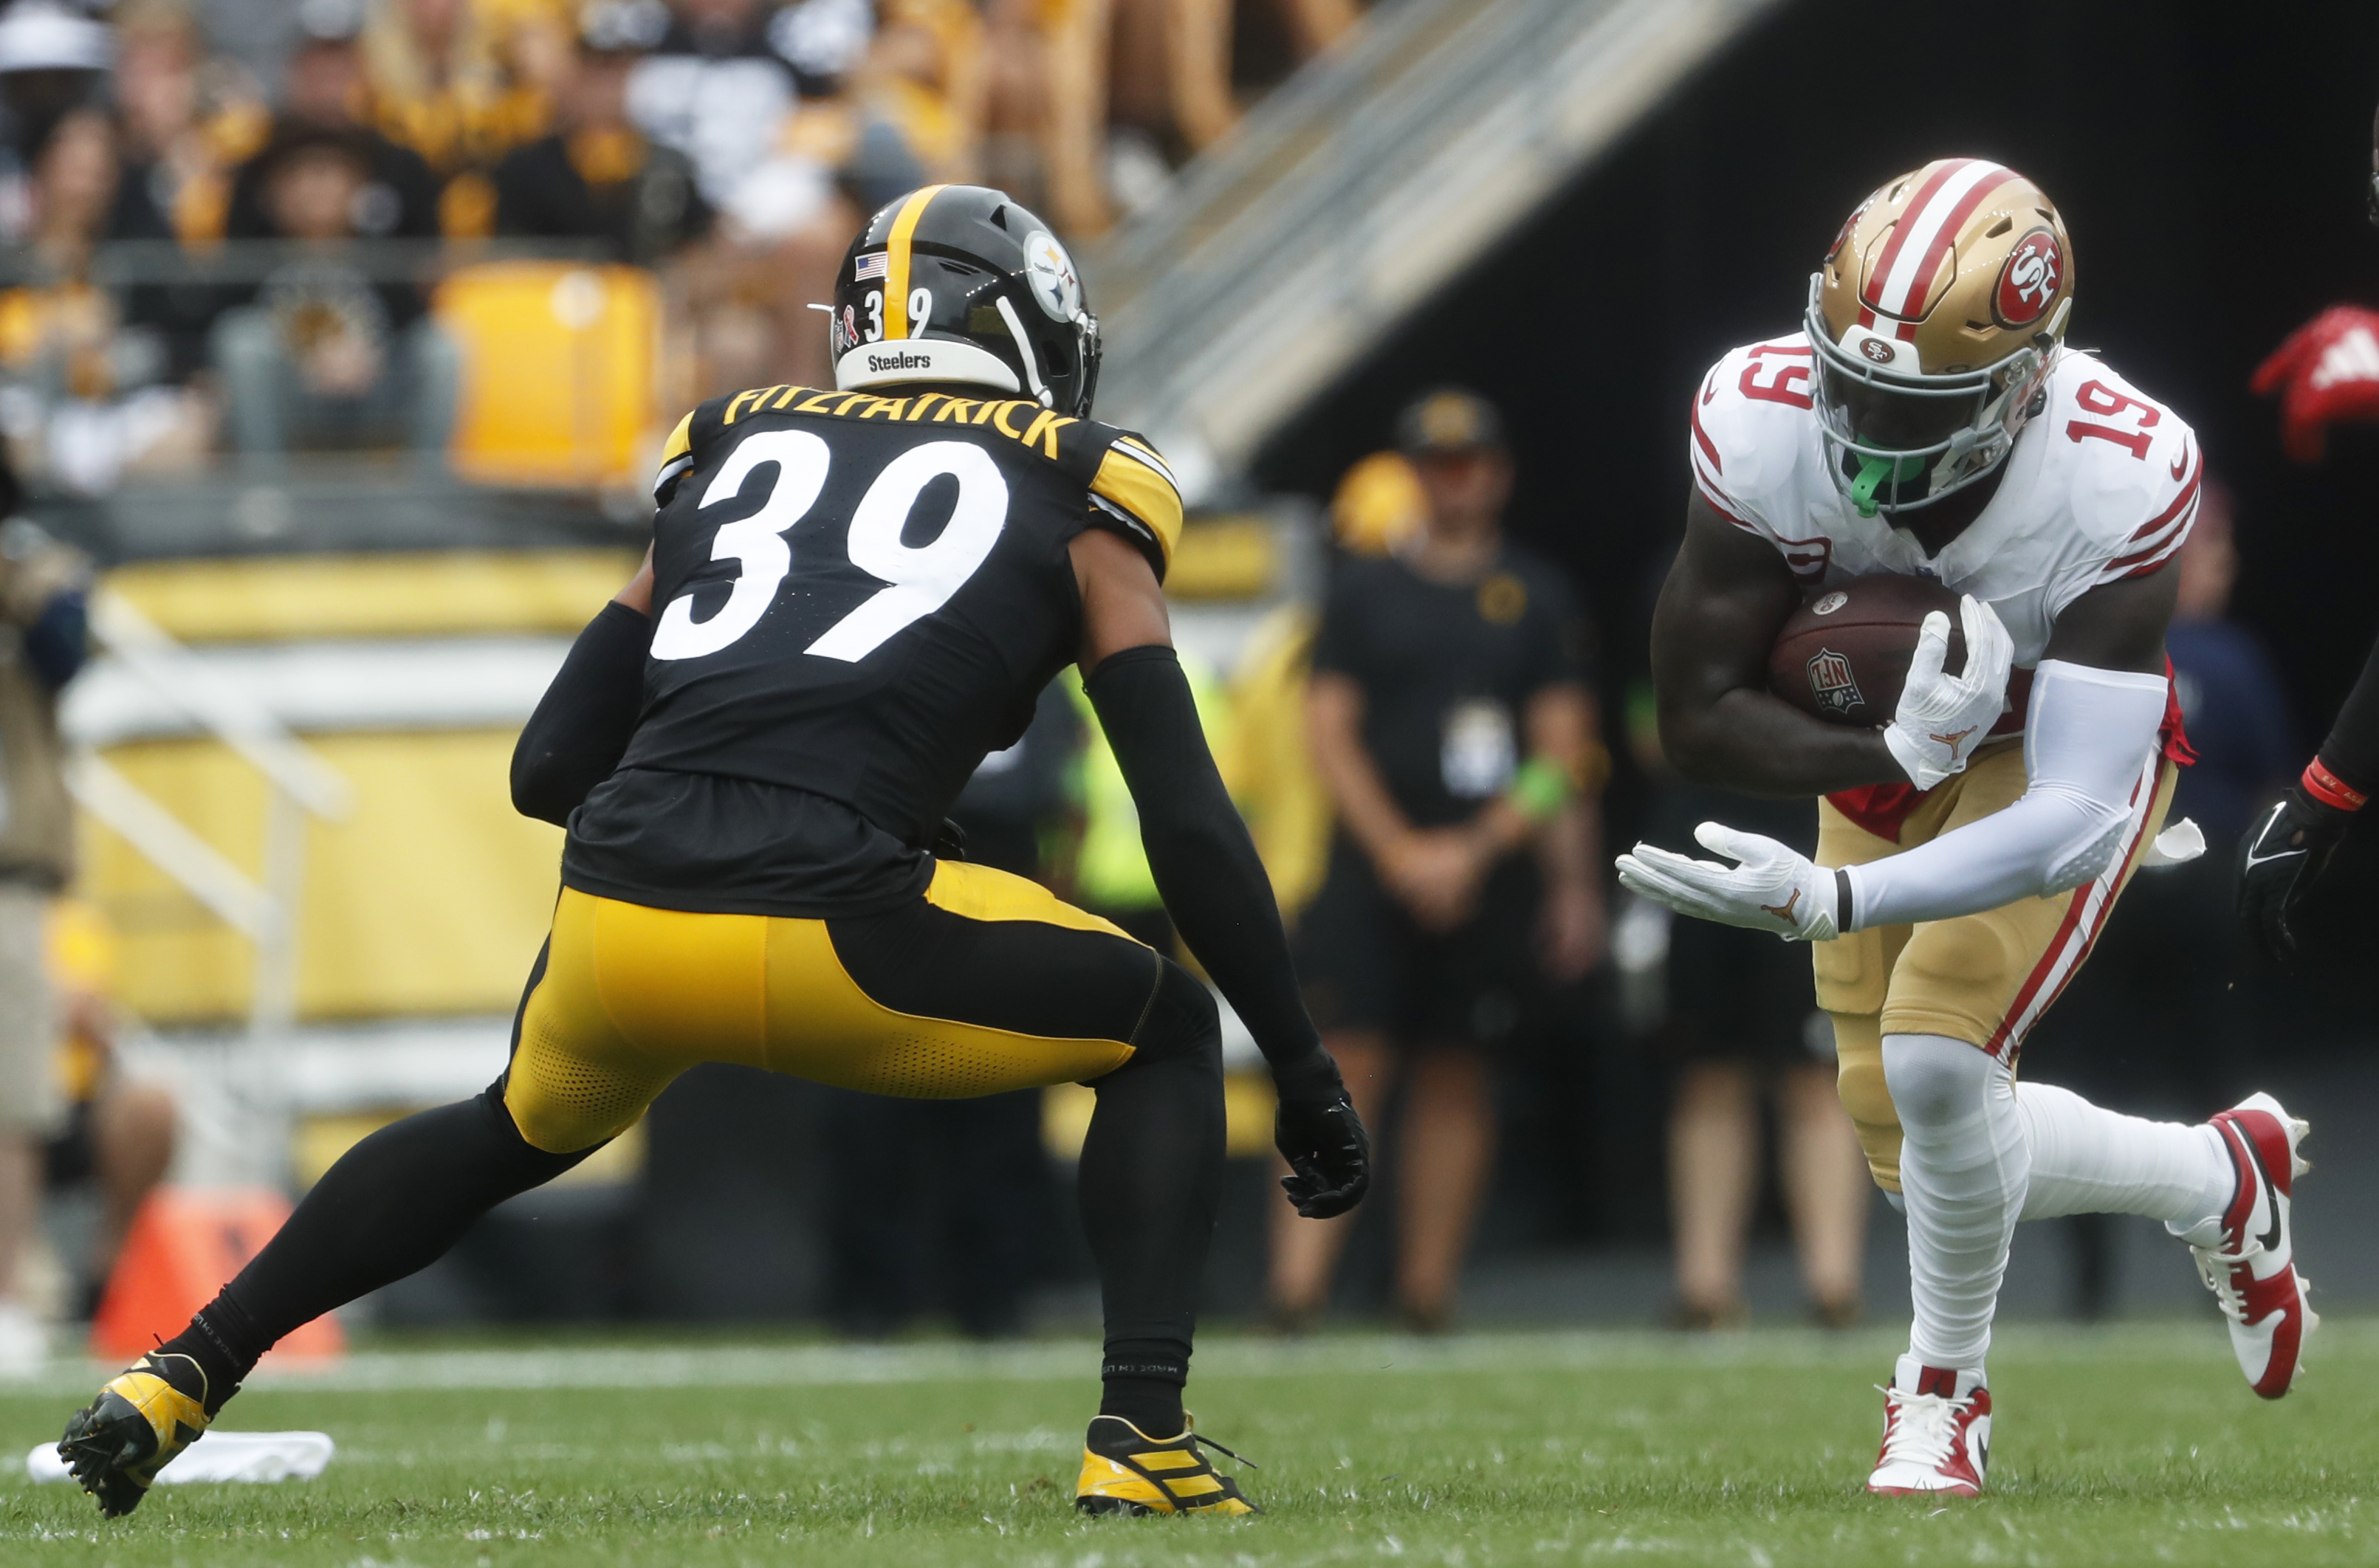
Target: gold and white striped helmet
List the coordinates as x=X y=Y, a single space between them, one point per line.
x=1935 y=319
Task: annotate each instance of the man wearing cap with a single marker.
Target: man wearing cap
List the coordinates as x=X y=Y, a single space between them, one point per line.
x=1452 y=723
x=597 y=177
x=322 y=93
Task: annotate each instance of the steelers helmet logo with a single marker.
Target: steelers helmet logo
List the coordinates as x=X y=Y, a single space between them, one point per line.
x=1056 y=285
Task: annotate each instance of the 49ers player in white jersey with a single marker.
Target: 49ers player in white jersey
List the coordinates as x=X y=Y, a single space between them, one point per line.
x=1930 y=421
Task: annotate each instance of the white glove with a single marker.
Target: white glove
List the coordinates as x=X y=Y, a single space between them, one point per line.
x=1773 y=888
x=1943 y=717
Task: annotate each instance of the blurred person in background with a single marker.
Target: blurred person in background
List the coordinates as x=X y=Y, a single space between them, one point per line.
x=322 y=356
x=1110 y=876
x=53 y=60
x=119 y=1131
x=2153 y=1014
x=925 y=73
x=2325 y=373
x=1044 y=106
x=1172 y=93
x=81 y=402
x=184 y=126
x=324 y=89
x=790 y=150
x=44 y=610
x=1739 y=1028
x=462 y=83
x=716 y=88
x=1452 y=720
x=1265 y=758
x=597 y=175
x=943 y=1202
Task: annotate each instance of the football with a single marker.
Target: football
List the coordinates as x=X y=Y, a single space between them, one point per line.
x=1843 y=654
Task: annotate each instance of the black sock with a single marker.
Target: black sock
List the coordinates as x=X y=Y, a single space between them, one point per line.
x=1142 y=1381
x=1151 y=1179
x=224 y=1341
x=393 y=1204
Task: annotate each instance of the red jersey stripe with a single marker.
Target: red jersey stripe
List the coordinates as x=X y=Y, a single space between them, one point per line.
x=2188 y=493
x=1701 y=437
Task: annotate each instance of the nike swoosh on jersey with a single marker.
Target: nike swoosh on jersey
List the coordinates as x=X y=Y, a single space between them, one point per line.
x=2254 y=860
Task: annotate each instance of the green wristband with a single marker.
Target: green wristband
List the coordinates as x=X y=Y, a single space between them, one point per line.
x=1539 y=788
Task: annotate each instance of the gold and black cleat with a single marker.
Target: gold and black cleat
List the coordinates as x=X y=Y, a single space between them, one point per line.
x=1125 y=1471
x=139 y=1422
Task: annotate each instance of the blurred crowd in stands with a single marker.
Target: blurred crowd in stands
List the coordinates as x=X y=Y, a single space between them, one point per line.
x=379 y=147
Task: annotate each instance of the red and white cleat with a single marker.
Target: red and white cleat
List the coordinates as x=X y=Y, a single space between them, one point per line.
x=1936 y=1434
x=2252 y=1269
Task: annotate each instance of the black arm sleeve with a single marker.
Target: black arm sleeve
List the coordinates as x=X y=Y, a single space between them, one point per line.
x=2352 y=749
x=1199 y=853
x=581 y=724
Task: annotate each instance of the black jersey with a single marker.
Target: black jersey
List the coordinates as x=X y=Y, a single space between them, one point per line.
x=1447 y=669
x=855 y=598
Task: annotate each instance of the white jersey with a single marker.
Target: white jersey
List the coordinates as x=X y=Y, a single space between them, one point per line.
x=2101 y=485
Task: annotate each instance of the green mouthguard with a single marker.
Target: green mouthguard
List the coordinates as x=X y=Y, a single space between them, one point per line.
x=1873 y=472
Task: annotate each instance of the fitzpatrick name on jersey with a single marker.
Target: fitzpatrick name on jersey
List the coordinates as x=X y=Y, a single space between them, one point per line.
x=2101 y=485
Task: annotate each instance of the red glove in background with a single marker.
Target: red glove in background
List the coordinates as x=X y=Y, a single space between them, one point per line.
x=2327 y=373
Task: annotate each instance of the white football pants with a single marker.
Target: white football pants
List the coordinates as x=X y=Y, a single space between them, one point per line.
x=1979 y=1153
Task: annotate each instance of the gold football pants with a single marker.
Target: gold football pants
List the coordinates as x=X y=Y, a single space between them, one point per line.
x=985 y=983
x=1985 y=978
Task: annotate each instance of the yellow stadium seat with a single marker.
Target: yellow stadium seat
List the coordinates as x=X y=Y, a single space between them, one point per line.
x=560 y=362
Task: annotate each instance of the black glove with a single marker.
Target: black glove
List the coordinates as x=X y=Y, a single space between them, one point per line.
x=949 y=842
x=2285 y=855
x=1323 y=1140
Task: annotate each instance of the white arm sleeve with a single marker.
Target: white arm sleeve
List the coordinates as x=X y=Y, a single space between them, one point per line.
x=2090 y=763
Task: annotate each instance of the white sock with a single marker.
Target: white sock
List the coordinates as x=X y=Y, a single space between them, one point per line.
x=1965 y=1166
x=2090 y=1161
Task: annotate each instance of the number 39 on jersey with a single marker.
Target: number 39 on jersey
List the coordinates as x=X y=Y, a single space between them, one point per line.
x=814 y=547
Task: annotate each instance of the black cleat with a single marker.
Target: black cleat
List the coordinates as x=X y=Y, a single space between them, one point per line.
x=136 y=1426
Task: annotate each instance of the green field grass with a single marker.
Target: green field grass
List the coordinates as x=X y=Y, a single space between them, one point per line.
x=2132 y=1446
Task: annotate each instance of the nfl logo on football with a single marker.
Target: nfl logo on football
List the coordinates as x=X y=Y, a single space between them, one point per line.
x=1831 y=683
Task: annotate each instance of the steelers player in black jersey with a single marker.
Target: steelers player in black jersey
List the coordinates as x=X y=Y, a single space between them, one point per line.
x=854 y=595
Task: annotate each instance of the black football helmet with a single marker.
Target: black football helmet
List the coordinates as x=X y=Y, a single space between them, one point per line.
x=958 y=283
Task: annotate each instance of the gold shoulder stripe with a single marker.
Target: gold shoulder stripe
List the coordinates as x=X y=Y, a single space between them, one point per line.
x=895 y=267
x=677 y=456
x=1148 y=455
x=1126 y=482
x=679 y=442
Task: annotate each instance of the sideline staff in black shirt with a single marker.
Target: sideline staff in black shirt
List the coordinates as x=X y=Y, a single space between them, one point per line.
x=1451 y=725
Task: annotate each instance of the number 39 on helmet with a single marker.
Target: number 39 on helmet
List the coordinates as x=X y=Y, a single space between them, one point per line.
x=1935 y=319
x=958 y=283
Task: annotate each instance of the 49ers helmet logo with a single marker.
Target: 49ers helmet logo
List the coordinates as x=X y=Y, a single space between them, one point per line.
x=2029 y=279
